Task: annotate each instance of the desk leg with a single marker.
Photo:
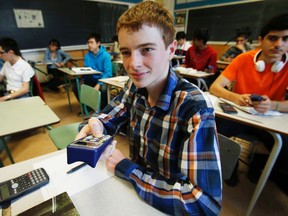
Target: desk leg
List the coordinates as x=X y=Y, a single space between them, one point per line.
x=78 y=87
x=201 y=82
x=2 y=139
x=108 y=93
x=67 y=91
x=267 y=170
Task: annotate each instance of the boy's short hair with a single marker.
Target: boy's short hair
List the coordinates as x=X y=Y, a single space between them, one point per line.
x=94 y=35
x=201 y=34
x=152 y=14
x=276 y=23
x=8 y=44
x=242 y=35
x=180 y=35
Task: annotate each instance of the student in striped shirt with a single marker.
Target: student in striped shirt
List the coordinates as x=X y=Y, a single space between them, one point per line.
x=174 y=160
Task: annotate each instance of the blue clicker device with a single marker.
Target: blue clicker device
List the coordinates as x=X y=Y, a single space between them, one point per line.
x=88 y=149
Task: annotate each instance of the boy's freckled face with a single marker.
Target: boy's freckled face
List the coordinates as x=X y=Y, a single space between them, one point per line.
x=145 y=56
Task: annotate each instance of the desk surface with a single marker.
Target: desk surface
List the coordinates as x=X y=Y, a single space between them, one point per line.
x=112 y=196
x=118 y=81
x=23 y=114
x=179 y=57
x=72 y=73
x=223 y=62
x=118 y=61
x=272 y=123
x=189 y=72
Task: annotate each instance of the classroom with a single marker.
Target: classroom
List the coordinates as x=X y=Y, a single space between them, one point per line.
x=39 y=131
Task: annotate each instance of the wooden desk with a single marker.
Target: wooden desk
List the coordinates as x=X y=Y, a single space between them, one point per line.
x=69 y=72
x=118 y=81
x=222 y=64
x=74 y=61
x=197 y=75
x=111 y=196
x=36 y=65
x=275 y=125
x=24 y=114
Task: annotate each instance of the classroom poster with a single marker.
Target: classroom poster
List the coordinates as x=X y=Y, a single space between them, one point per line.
x=29 y=18
x=180 y=20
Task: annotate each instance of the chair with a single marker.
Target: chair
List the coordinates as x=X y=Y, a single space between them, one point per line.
x=229 y=155
x=114 y=69
x=35 y=88
x=62 y=136
x=90 y=97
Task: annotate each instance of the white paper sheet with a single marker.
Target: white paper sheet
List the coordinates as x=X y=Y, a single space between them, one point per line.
x=73 y=183
x=81 y=70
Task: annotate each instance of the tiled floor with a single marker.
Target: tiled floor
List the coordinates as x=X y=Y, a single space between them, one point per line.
x=36 y=142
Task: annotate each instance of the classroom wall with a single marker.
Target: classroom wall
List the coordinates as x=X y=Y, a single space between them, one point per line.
x=192 y=4
x=69 y=21
x=223 y=17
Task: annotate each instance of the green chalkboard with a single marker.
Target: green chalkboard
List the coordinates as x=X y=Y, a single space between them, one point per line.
x=69 y=21
x=222 y=21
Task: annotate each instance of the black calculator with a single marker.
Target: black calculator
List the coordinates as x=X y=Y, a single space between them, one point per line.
x=23 y=184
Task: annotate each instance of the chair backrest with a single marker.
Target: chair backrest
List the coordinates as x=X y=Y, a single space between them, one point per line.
x=35 y=88
x=62 y=136
x=91 y=97
x=229 y=155
x=114 y=69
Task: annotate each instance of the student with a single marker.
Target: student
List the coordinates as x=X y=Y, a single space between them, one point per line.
x=58 y=58
x=115 y=52
x=174 y=160
x=240 y=47
x=182 y=47
x=17 y=71
x=182 y=44
x=263 y=72
x=98 y=59
x=200 y=56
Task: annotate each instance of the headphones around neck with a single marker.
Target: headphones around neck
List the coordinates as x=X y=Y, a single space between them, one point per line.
x=276 y=67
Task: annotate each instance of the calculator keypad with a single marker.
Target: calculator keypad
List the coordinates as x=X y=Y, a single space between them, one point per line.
x=27 y=180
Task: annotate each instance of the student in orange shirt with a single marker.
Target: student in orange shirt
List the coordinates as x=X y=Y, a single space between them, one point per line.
x=263 y=72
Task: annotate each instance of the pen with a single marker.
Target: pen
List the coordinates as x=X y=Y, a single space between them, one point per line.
x=76 y=168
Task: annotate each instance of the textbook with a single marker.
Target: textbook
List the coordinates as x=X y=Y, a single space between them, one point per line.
x=84 y=70
x=58 y=205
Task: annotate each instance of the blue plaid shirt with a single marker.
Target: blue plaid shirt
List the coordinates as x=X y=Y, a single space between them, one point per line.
x=175 y=161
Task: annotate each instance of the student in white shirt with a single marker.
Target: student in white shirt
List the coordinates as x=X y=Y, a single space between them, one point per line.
x=16 y=70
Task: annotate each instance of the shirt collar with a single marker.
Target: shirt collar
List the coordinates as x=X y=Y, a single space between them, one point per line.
x=166 y=94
